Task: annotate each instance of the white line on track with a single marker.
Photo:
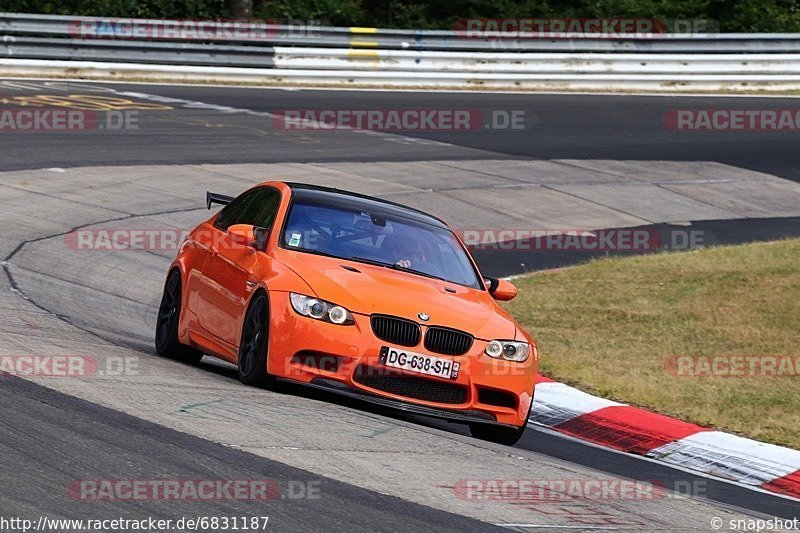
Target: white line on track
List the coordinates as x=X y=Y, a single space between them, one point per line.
x=424 y=91
x=196 y=104
x=551 y=526
x=192 y=104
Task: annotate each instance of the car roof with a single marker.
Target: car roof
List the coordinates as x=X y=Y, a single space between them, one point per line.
x=330 y=195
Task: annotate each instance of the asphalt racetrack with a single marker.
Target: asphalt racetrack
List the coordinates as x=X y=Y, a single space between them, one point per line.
x=580 y=161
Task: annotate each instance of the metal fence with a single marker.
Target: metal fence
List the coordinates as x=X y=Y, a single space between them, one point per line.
x=263 y=52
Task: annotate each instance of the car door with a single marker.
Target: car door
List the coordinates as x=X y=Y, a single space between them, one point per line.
x=230 y=265
x=206 y=295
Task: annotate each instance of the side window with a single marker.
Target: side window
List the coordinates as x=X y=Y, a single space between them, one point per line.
x=262 y=209
x=232 y=212
x=257 y=207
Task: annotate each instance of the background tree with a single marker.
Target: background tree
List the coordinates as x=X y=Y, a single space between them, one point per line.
x=240 y=9
x=732 y=15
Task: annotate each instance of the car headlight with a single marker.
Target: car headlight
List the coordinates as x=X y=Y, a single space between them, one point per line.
x=508 y=350
x=320 y=309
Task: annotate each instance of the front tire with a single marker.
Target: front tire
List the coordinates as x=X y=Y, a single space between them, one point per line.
x=252 y=361
x=169 y=315
x=500 y=434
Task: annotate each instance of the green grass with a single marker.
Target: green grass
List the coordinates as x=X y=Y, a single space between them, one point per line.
x=609 y=326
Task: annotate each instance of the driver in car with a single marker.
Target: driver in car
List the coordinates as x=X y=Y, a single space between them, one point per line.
x=407 y=253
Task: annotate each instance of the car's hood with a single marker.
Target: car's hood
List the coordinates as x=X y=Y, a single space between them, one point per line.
x=375 y=289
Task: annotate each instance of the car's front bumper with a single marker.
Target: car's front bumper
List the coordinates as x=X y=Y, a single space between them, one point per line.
x=340 y=388
x=349 y=348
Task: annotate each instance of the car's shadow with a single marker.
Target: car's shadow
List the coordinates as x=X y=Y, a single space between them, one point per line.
x=229 y=371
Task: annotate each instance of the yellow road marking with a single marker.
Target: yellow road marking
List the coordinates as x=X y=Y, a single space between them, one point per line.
x=83 y=101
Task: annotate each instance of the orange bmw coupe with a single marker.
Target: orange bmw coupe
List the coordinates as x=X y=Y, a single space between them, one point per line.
x=351 y=294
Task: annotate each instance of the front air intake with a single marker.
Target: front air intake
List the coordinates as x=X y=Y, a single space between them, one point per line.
x=418 y=388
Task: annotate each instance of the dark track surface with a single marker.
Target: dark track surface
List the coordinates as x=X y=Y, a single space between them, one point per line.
x=620 y=464
x=41 y=425
x=713 y=232
x=557 y=127
x=59 y=439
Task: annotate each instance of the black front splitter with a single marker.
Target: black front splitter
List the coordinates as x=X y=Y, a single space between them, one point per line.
x=463 y=417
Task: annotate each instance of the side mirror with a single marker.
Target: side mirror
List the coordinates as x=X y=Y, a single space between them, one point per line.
x=501 y=289
x=247 y=235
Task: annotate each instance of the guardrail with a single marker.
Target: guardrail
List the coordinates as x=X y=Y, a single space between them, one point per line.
x=168 y=53
x=258 y=52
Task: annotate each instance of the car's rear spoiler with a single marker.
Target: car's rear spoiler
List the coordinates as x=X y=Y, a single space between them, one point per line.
x=214 y=198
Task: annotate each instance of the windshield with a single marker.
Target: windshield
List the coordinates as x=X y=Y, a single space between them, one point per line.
x=377 y=238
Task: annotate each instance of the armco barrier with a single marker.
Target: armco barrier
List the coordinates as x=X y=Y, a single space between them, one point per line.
x=38 y=45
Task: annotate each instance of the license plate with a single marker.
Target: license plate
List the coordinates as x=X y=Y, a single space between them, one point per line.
x=419 y=363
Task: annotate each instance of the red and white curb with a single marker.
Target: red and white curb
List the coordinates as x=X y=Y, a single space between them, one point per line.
x=632 y=430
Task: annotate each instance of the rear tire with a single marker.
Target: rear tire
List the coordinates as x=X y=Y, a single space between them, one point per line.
x=252 y=361
x=169 y=314
x=500 y=434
